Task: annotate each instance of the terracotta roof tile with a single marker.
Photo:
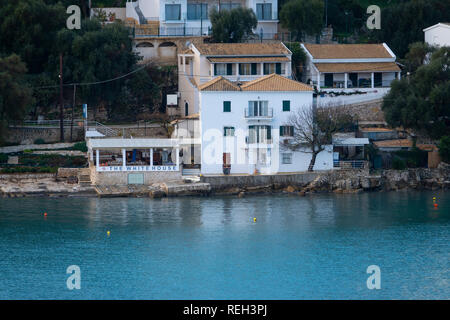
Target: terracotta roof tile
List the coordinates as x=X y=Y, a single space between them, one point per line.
x=218 y=84
x=394 y=143
x=272 y=82
x=275 y=82
x=353 y=67
x=249 y=59
x=242 y=49
x=347 y=51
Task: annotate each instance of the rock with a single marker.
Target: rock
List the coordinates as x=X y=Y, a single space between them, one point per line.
x=290 y=189
x=301 y=193
x=13 y=160
x=241 y=194
x=338 y=190
x=157 y=194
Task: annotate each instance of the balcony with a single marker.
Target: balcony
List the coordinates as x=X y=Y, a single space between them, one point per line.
x=258 y=114
x=258 y=140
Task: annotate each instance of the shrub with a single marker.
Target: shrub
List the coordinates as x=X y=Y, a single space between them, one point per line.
x=3 y=158
x=29 y=170
x=398 y=164
x=413 y=158
x=444 y=148
x=39 y=141
x=80 y=146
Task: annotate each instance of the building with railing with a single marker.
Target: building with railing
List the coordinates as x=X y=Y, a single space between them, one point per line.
x=238 y=62
x=242 y=124
x=191 y=17
x=368 y=69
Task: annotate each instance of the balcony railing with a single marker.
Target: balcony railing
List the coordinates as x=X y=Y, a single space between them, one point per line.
x=350 y=164
x=259 y=114
x=261 y=140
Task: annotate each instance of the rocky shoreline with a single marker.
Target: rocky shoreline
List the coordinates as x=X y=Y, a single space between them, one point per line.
x=337 y=181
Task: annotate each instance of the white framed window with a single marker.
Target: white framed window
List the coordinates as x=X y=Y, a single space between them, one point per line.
x=228 y=131
x=286 y=158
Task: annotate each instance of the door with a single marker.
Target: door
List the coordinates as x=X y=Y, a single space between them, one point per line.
x=353 y=80
x=329 y=80
x=186 y=109
x=135 y=178
x=378 y=79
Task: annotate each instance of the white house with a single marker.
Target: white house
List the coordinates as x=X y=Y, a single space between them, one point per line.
x=241 y=125
x=438 y=35
x=365 y=68
x=191 y=17
x=234 y=61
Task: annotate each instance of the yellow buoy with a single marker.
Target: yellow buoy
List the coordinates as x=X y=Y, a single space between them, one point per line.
x=254 y=219
x=108 y=232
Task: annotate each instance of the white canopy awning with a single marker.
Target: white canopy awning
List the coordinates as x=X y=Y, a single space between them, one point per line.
x=139 y=143
x=350 y=141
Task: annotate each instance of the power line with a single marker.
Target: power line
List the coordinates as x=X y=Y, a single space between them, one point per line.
x=96 y=82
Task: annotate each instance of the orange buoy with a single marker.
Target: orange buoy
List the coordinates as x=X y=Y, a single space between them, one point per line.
x=435 y=205
x=45 y=214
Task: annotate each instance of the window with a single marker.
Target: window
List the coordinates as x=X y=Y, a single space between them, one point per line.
x=286 y=158
x=173 y=11
x=229 y=6
x=223 y=69
x=277 y=68
x=197 y=11
x=286 y=131
x=258 y=109
x=247 y=68
x=259 y=134
x=286 y=105
x=228 y=131
x=264 y=11
x=227 y=106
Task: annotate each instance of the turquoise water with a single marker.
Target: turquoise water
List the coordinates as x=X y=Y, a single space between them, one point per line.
x=314 y=247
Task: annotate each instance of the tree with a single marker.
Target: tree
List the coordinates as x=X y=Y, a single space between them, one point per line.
x=420 y=102
x=298 y=57
x=402 y=23
x=444 y=148
x=28 y=28
x=231 y=26
x=417 y=55
x=302 y=17
x=314 y=127
x=95 y=54
x=15 y=97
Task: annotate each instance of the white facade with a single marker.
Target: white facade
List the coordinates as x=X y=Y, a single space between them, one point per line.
x=336 y=68
x=245 y=155
x=186 y=17
x=196 y=68
x=438 y=35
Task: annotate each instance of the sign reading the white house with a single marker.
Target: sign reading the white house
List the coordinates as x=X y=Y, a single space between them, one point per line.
x=137 y=168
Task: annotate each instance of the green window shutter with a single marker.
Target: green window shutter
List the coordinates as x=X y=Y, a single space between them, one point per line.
x=253 y=68
x=215 y=69
x=281 y=131
x=278 y=68
x=269 y=132
x=227 y=106
x=286 y=105
x=229 y=69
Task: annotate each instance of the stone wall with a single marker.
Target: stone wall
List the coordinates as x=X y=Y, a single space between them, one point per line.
x=27 y=135
x=338 y=181
x=121 y=178
x=224 y=183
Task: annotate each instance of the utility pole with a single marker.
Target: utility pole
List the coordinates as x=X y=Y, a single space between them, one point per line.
x=73 y=107
x=61 y=107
